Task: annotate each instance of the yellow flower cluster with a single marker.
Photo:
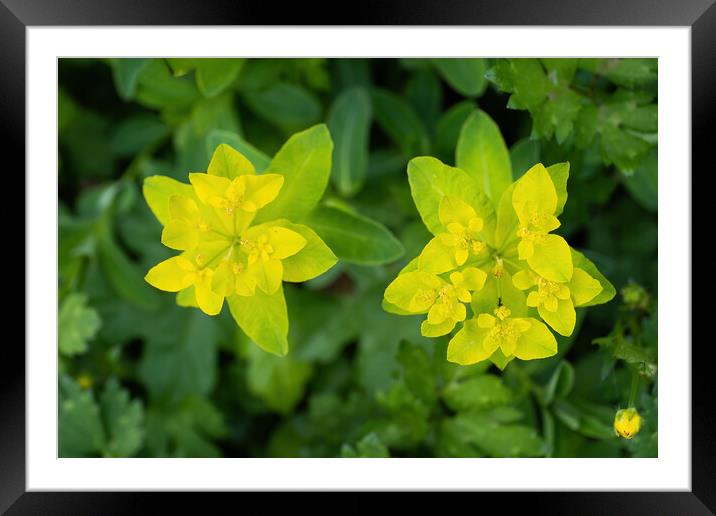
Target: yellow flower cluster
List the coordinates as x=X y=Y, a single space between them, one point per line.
x=505 y=262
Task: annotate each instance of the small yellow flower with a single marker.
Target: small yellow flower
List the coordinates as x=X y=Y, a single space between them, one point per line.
x=627 y=423
x=461 y=240
x=421 y=292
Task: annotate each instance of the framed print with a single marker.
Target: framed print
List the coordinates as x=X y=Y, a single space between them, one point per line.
x=423 y=252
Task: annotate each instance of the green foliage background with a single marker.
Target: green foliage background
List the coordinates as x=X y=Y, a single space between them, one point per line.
x=140 y=376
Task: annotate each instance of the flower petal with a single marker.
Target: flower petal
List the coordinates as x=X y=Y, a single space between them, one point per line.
x=207 y=186
x=466 y=347
x=171 y=275
x=263 y=189
x=454 y=210
x=268 y=274
x=536 y=342
x=209 y=301
x=562 y=319
x=583 y=287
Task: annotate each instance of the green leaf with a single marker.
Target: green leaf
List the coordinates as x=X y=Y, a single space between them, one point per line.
x=353 y=237
x=135 y=133
x=216 y=137
x=313 y=260
x=476 y=393
x=482 y=153
x=559 y=173
x=279 y=382
x=158 y=89
x=500 y=440
x=157 y=191
x=80 y=432
x=368 y=446
x=124 y=275
x=214 y=75
x=465 y=75
x=305 y=162
x=180 y=355
x=582 y=262
x=448 y=127
x=123 y=420
x=643 y=183
x=523 y=155
x=186 y=429
x=288 y=106
x=349 y=122
x=560 y=384
x=430 y=180
x=264 y=319
x=399 y=121
x=125 y=73
x=77 y=324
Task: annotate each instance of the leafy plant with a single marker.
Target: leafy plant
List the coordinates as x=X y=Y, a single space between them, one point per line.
x=143 y=376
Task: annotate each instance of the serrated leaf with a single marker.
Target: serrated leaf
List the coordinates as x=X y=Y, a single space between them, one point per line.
x=77 y=324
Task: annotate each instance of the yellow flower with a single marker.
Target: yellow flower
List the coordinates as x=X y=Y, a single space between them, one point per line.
x=627 y=423
x=534 y=200
x=556 y=301
x=192 y=269
x=420 y=292
x=236 y=201
x=461 y=240
x=265 y=247
x=521 y=337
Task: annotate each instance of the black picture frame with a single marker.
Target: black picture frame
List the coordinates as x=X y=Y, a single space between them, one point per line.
x=700 y=15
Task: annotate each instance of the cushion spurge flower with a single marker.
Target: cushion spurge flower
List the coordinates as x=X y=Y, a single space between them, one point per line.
x=534 y=199
x=224 y=254
x=516 y=272
x=420 y=292
x=461 y=240
x=555 y=301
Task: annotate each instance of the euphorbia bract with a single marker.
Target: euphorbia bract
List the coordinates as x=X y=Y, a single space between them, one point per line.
x=231 y=247
x=517 y=276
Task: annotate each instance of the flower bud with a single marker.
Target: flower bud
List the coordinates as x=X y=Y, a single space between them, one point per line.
x=635 y=296
x=627 y=423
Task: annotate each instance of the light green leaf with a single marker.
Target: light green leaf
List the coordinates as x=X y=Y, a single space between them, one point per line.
x=559 y=172
x=305 y=162
x=431 y=180
x=608 y=292
x=77 y=324
x=349 y=122
x=264 y=319
x=158 y=190
x=465 y=75
x=312 y=260
x=255 y=156
x=482 y=153
x=353 y=237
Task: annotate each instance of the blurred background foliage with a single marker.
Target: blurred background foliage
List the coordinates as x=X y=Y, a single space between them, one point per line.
x=140 y=376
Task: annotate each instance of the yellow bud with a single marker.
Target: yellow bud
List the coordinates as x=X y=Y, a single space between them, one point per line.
x=627 y=423
x=84 y=380
x=502 y=312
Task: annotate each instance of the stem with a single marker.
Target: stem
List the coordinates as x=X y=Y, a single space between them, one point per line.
x=634 y=388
